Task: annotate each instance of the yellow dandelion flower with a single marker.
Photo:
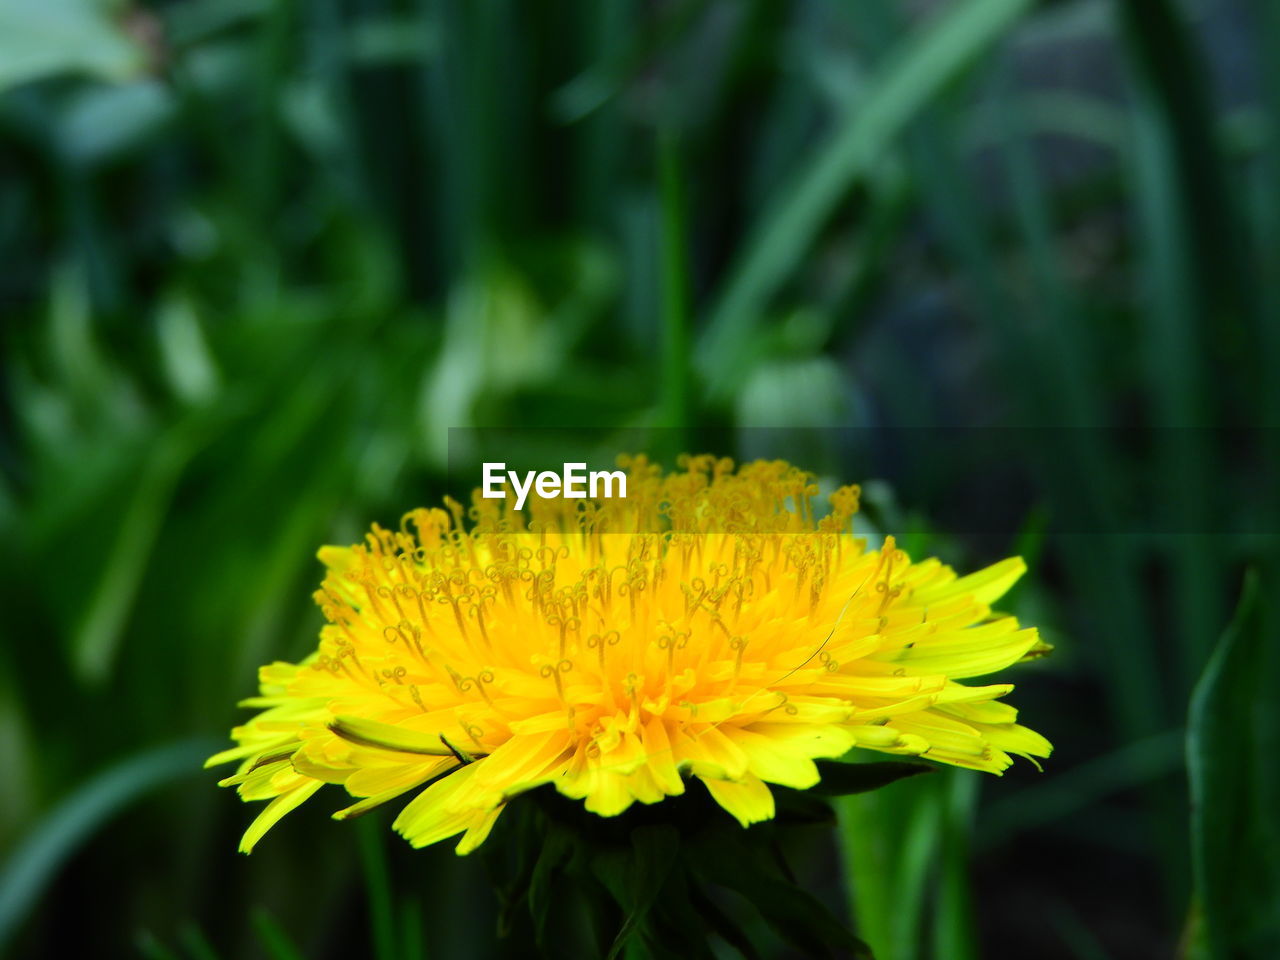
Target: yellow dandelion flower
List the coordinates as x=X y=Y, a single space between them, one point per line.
x=708 y=626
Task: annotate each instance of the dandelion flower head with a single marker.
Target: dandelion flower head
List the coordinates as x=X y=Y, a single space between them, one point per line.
x=710 y=627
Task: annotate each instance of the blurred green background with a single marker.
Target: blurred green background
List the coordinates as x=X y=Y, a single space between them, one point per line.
x=260 y=255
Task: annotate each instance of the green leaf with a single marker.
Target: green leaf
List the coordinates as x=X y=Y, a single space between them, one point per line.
x=801 y=808
x=796 y=915
x=102 y=123
x=40 y=38
x=1231 y=740
x=708 y=912
x=682 y=923
x=29 y=870
x=555 y=853
x=637 y=880
x=842 y=779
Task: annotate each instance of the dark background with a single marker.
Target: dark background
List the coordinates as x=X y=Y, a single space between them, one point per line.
x=1010 y=265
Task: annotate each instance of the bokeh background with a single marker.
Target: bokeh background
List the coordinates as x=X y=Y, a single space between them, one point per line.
x=1012 y=265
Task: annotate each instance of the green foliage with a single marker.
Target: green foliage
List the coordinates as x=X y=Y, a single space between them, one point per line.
x=40 y=38
x=378 y=881
x=33 y=864
x=891 y=841
x=844 y=779
x=274 y=939
x=659 y=881
x=1232 y=731
x=910 y=79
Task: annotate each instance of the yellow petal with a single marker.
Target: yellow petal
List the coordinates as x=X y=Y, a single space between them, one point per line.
x=661 y=759
x=970 y=653
x=368 y=781
x=608 y=795
x=811 y=740
x=431 y=816
x=518 y=765
x=709 y=751
x=478 y=831
x=748 y=800
x=774 y=762
x=1018 y=739
x=247 y=750
x=273 y=811
x=627 y=757
x=985 y=586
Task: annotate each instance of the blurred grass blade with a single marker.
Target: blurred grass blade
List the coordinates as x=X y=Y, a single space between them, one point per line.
x=197 y=21
x=188 y=363
x=596 y=86
x=412 y=947
x=99 y=630
x=1265 y=203
x=1173 y=79
x=1199 y=289
x=1056 y=369
x=921 y=836
x=378 y=884
x=1230 y=753
x=888 y=843
x=196 y=944
x=909 y=80
x=954 y=934
x=152 y=949
x=675 y=289
x=1175 y=345
x=102 y=124
x=265 y=145
x=31 y=867
x=274 y=939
